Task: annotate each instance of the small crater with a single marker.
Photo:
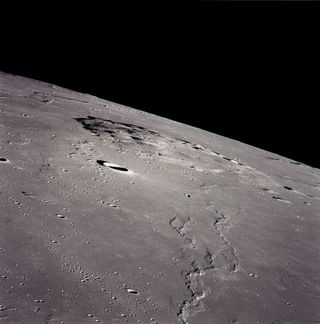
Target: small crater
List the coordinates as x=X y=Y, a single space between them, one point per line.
x=129 y=131
x=254 y=275
x=281 y=199
x=112 y=166
x=42 y=97
x=197 y=147
x=154 y=133
x=226 y=158
x=3 y=160
x=118 y=168
x=136 y=138
x=61 y=216
x=26 y=193
x=288 y=188
x=295 y=163
x=132 y=291
x=183 y=141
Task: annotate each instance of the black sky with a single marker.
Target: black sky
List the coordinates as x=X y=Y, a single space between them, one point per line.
x=245 y=71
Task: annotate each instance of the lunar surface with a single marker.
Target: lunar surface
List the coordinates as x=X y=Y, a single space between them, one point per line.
x=114 y=215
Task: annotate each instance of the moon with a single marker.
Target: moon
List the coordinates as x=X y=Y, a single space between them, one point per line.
x=113 y=215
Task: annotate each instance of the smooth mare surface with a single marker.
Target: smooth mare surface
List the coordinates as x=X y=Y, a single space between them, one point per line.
x=113 y=215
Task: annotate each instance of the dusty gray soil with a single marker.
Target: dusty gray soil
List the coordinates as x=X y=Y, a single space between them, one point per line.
x=113 y=215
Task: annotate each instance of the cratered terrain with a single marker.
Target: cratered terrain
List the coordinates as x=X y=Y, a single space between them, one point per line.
x=114 y=215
